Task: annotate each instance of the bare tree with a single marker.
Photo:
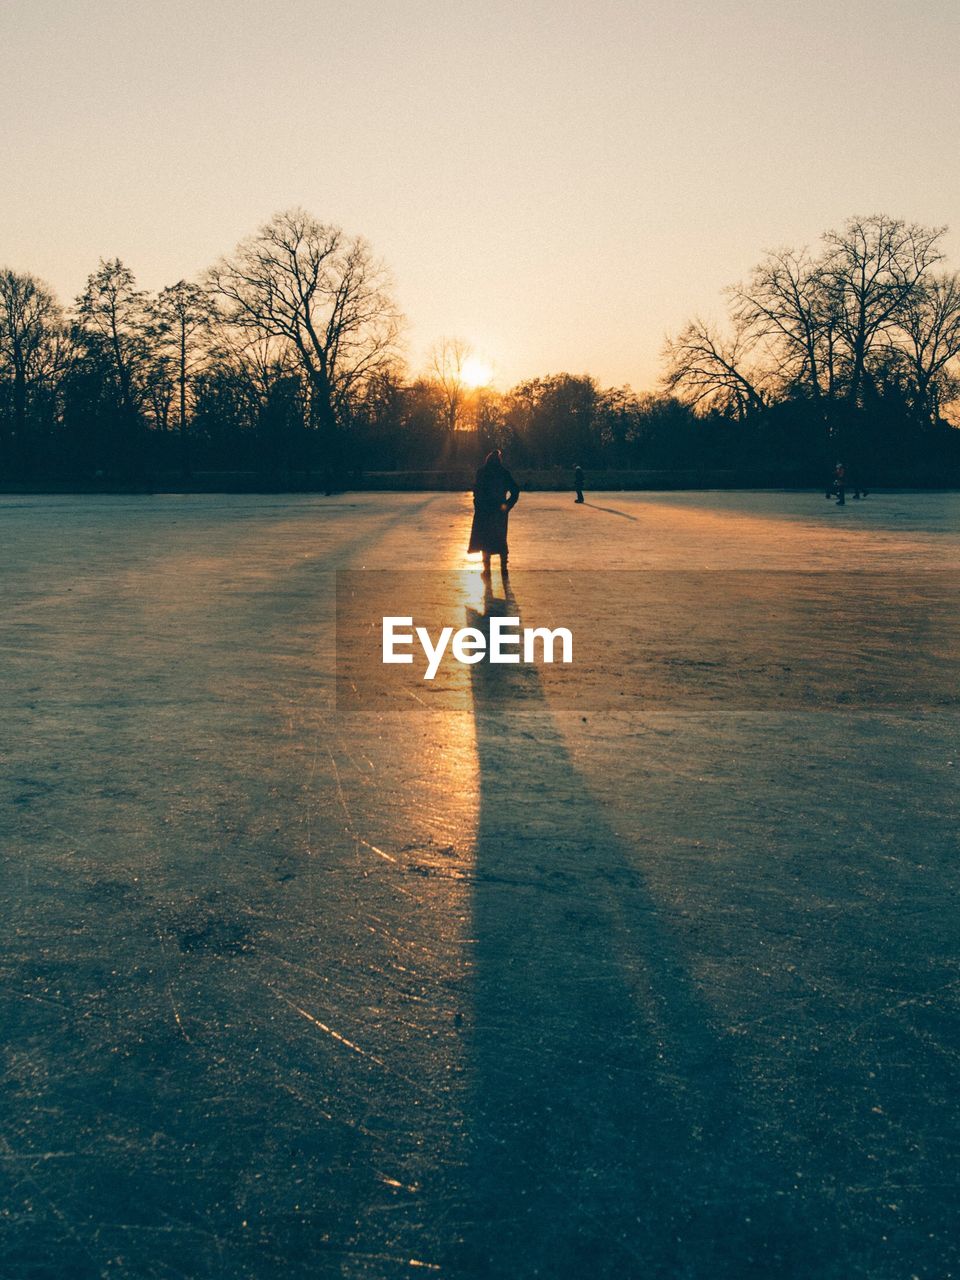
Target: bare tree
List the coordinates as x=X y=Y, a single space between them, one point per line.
x=256 y=357
x=159 y=387
x=113 y=319
x=268 y=375
x=447 y=359
x=182 y=319
x=929 y=331
x=786 y=306
x=31 y=331
x=871 y=268
x=305 y=281
x=706 y=370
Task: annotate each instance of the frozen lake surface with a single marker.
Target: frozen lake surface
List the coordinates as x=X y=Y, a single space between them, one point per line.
x=499 y=991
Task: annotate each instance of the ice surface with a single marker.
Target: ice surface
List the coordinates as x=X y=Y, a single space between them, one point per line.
x=503 y=991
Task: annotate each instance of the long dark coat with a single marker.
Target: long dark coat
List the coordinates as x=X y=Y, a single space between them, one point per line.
x=495 y=494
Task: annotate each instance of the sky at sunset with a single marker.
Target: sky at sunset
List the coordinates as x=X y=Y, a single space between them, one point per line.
x=560 y=184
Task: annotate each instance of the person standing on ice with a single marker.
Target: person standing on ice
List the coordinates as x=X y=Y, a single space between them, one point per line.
x=840 y=484
x=495 y=494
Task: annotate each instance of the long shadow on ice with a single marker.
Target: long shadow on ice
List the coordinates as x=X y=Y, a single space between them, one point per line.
x=609 y=1139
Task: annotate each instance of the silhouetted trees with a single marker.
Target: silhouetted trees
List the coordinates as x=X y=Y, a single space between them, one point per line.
x=855 y=347
x=555 y=419
x=712 y=371
x=113 y=328
x=32 y=354
x=324 y=293
x=283 y=360
x=930 y=327
x=871 y=270
x=183 y=319
x=447 y=360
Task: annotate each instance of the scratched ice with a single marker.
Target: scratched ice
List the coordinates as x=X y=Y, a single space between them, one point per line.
x=502 y=991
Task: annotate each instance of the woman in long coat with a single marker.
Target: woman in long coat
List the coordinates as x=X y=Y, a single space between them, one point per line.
x=495 y=494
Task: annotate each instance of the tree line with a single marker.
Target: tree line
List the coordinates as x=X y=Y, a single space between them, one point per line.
x=857 y=344
x=286 y=357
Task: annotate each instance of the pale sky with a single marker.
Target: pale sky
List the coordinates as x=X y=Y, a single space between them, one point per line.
x=560 y=184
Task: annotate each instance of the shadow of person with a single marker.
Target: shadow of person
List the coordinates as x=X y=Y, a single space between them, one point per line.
x=612 y=511
x=608 y=1138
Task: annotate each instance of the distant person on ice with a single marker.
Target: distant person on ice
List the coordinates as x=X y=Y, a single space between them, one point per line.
x=840 y=484
x=578 y=482
x=495 y=494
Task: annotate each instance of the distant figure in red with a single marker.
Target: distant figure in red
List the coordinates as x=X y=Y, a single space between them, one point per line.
x=840 y=484
x=495 y=494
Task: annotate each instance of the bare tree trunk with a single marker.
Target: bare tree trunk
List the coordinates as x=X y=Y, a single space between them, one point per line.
x=184 y=442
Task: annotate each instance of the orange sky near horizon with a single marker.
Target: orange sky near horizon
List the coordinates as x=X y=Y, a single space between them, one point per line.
x=561 y=186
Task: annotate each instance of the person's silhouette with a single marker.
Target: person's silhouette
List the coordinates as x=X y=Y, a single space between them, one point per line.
x=495 y=494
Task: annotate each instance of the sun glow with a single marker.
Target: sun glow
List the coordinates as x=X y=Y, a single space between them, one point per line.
x=475 y=373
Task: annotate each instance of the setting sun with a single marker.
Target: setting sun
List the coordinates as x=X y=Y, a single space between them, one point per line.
x=475 y=372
